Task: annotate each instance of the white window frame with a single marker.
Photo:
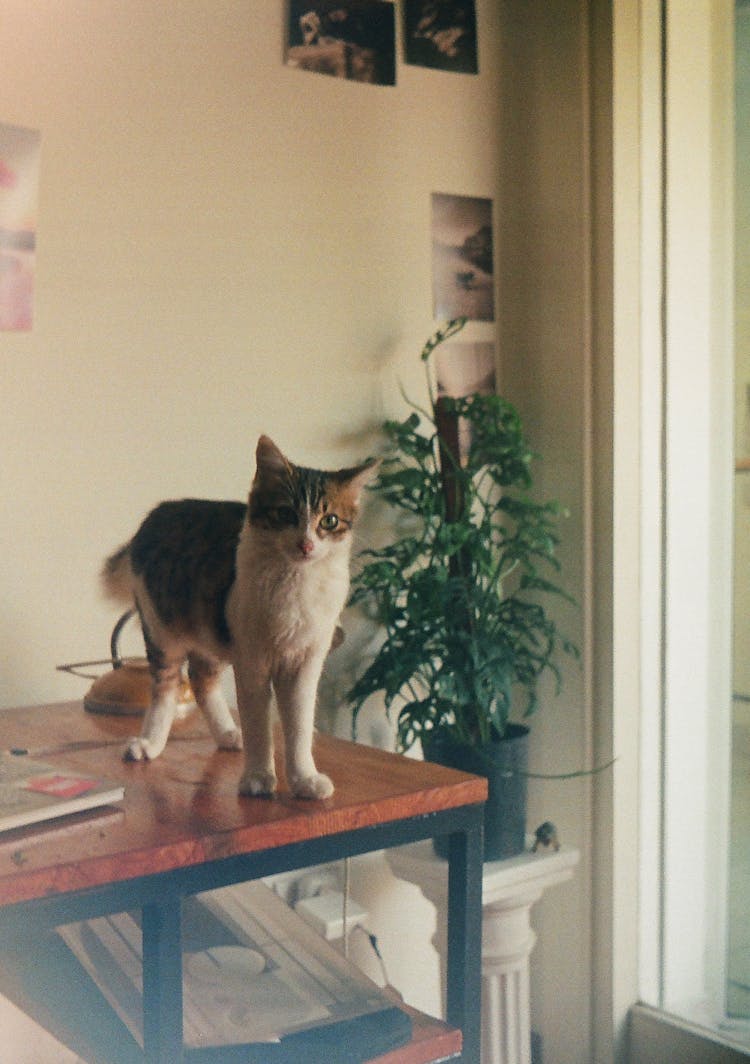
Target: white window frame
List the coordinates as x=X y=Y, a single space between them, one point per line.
x=685 y=459
x=699 y=463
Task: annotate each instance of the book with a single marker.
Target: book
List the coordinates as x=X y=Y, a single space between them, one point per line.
x=256 y=977
x=32 y=791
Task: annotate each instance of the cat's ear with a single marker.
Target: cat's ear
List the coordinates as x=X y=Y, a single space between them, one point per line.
x=356 y=480
x=270 y=463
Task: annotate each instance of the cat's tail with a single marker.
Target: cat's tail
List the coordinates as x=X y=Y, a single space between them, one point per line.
x=117 y=576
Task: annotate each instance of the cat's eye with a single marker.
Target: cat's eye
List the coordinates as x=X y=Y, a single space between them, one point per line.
x=329 y=522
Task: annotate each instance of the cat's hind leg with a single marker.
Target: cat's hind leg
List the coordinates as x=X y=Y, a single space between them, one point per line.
x=205 y=681
x=166 y=674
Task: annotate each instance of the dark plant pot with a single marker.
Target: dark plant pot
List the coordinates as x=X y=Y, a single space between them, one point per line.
x=504 y=763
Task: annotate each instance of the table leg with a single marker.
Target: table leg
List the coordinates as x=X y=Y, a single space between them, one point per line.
x=464 y=975
x=162 y=982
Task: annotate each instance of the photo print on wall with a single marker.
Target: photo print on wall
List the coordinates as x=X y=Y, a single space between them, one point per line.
x=19 y=185
x=354 y=40
x=462 y=257
x=461 y=369
x=441 y=34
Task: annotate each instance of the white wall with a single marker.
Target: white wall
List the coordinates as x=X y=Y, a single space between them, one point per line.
x=555 y=108
x=742 y=376
x=228 y=246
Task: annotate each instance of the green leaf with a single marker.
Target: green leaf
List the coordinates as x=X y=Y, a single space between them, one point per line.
x=450 y=329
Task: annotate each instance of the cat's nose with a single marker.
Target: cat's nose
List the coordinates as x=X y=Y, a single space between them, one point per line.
x=306 y=546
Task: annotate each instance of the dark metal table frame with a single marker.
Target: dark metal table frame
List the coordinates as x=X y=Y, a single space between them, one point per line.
x=160 y=896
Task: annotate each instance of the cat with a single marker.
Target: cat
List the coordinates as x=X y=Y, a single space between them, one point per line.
x=258 y=586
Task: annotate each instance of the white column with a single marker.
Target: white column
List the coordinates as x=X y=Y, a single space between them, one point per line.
x=509 y=889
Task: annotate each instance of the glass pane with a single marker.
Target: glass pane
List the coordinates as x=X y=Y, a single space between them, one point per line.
x=738 y=959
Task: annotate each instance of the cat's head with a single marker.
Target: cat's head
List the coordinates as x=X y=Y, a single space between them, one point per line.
x=306 y=513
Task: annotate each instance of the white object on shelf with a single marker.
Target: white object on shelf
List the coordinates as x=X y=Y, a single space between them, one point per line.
x=325 y=912
x=509 y=889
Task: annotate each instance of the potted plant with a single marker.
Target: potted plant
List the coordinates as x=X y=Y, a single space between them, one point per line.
x=459 y=594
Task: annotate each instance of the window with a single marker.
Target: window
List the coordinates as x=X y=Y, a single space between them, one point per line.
x=691 y=903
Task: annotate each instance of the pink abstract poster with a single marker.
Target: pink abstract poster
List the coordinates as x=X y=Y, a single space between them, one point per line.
x=19 y=185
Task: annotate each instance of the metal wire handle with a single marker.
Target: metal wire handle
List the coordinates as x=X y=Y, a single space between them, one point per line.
x=115 y=660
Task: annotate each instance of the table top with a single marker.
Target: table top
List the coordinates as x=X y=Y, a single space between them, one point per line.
x=183 y=808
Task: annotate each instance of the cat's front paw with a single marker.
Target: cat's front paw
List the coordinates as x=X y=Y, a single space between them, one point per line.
x=230 y=739
x=140 y=749
x=316 y=786
x=257 y=783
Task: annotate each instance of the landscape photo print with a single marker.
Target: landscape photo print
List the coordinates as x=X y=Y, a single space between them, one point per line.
x=463 y=369
x=462 y=257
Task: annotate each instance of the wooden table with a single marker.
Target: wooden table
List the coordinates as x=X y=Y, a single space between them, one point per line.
x=182 y=828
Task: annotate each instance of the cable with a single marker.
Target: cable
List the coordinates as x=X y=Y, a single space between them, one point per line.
x=345 y=908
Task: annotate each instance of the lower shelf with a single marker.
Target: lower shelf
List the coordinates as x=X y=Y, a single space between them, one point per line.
x=85 y=987
x=431 y=1041
x=69 y=1006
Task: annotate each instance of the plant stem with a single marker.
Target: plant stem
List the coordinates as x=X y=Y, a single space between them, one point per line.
x=446 y=423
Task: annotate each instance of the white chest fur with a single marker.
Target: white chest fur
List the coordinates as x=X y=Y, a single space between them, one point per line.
x=286 y=606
